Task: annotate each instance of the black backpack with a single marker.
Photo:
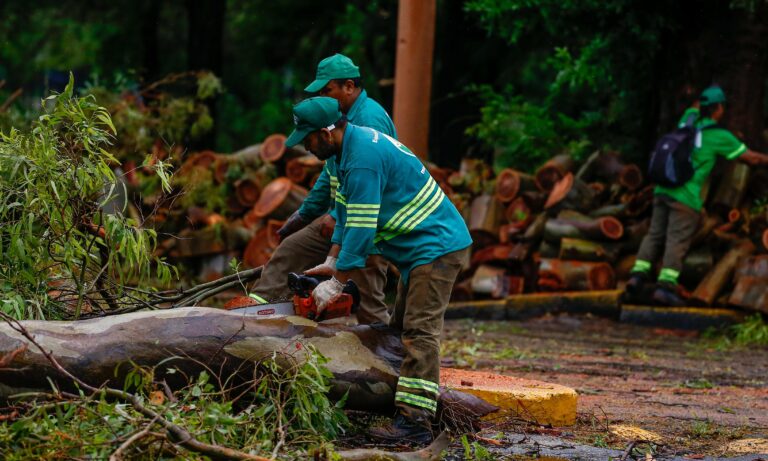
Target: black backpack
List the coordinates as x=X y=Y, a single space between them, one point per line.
x=671 y=164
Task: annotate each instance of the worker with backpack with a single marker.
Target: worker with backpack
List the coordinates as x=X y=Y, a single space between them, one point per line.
x=680 y=165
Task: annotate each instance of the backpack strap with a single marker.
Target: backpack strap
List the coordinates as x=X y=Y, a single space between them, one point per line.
x=692 y=117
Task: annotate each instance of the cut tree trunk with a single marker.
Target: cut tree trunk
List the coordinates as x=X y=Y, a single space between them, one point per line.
x=365 y=361
x=559 y=275
x=278 y=200
x=247 y=192
x=570 y=194
x=553 y=171
x=486 y=214
x=711 y=286
x=606 y=228
x=608 y=166
x=732 y=187
x=509 y=183
x=585 y=250
x=750 y=293
x=698 y=262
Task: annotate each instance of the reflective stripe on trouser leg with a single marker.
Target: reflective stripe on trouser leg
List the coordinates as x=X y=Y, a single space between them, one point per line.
x=668 y=275
x=641 y=266
x=419 y=312
x=416 y=401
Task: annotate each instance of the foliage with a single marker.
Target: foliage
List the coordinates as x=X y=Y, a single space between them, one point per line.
x=474 y=451
x=158 y=115
x=284 y=410
x=60 y=252
x=526 y=134
x=753 y=331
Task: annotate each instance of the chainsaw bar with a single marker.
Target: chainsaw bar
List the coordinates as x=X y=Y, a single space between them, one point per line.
x=265 y=311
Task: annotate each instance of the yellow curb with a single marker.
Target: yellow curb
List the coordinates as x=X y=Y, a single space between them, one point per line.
x=535 y=401
x=635 y=433
x=680 y=317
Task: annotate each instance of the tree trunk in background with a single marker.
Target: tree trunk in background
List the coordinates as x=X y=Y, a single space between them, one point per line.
x=413 y=73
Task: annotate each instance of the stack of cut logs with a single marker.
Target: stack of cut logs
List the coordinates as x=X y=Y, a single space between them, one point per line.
x=255 y=189
x=572 y=227
x=567 y=227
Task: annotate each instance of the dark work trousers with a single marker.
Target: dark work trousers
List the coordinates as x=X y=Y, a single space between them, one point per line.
x=673 y=225
x=419 y=311
x=307 y=248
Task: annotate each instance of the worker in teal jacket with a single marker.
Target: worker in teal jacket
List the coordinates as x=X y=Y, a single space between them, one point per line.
x=387 y=200
x=306 y=234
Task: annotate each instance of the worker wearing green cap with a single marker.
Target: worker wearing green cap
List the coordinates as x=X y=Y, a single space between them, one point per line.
x=386 y=199
x=677 y=210
x=307 y=233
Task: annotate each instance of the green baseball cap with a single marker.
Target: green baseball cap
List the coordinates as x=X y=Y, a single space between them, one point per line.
x=333 y=67
x=311 y=115
x=712 y=95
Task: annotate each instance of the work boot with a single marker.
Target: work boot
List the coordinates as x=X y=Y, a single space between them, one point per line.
x=635 y=284
x=666 y=295
x=416 y=427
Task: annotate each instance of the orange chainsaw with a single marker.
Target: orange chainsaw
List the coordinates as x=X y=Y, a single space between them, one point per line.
x=302 y=304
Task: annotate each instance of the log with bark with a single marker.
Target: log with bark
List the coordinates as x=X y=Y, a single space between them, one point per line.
x=717 y=278
x=586 y=250
x=553 y=171
x=698 y=262
x=559 y=275
x=731 y=189
x=364 y=360
x=273 y=148
x=278 y=200
x=570 y=193
x=509 y=183
x=608 y=166
x=750 y=293
x=606 y=228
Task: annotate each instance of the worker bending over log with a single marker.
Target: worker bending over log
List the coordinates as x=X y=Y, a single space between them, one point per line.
x=677 y=210
x=306 y=235
x=386 y=199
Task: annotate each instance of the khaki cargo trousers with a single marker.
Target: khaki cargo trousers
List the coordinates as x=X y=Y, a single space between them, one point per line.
x=419 y=313
x=306 y=249
x=673 y=225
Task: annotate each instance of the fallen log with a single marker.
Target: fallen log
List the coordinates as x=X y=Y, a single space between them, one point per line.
x=570 y=194
x=732 y=187
x=586 y=250
x=364 y=360
x=750 y=293
x=247 y=192
x=494 y=282
x=273 y=148
x=519 y=214
x=487 y=214
x=714 y=282
x=608 y=166
x=278 y=200
x=553 y=171
x=698 y=262
x=606 y=228
x=509 y=183
x=559 y=275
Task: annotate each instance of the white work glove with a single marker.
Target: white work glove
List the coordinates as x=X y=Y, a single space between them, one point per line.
x=326 y=268
x=326 y=293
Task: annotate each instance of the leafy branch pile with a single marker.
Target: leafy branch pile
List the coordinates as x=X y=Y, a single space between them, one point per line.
x=280 y=412
x=61 y=254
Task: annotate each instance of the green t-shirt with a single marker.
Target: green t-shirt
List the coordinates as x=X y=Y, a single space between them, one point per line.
x=709 y=144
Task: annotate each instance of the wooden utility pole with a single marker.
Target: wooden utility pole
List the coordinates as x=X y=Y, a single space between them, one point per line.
x=413 y=73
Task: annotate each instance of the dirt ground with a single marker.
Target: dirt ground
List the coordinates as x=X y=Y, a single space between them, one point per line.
x=693 y=397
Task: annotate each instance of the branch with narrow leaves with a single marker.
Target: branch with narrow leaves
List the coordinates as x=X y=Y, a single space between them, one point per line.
x=178 y=434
